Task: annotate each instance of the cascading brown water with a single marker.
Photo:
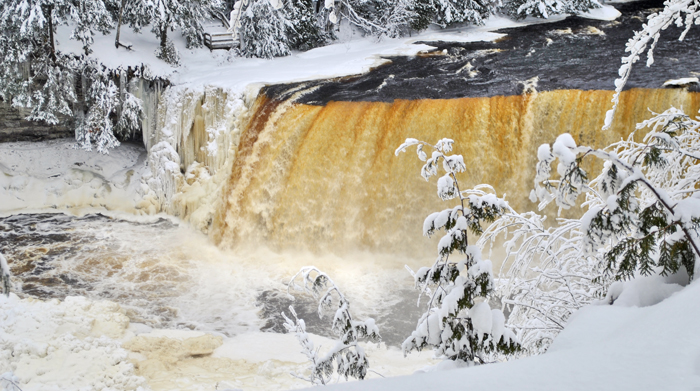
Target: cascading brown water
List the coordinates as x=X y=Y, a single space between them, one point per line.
x=325 y=178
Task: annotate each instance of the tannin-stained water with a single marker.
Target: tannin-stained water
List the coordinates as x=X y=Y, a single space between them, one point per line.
x=325 y=178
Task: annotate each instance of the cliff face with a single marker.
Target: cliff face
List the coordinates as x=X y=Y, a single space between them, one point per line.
x=14 y=126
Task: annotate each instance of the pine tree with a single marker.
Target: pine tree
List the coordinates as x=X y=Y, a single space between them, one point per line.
x=263 y=31
x=424 y=14
x=546 y=8
x=459 y=324
x=451 y=12
x=304 y=32
x=33 y=74
x=37 y=76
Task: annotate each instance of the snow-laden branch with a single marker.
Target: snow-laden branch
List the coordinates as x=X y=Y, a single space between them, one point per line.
x=347 y=355
x=682 y=13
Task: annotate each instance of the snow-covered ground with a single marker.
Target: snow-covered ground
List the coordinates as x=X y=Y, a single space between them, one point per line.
x=602 y=348
x=349 y=56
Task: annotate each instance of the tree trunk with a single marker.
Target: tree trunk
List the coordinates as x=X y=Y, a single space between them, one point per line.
x=163 y=38
x=119 y=23
x=51 y=38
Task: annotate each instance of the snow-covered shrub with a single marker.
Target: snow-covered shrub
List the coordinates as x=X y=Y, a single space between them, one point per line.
x=168 y=53
x=544 y=277
x=642 y=219
x=347 y=355
x=644 y=208
x=459 y=324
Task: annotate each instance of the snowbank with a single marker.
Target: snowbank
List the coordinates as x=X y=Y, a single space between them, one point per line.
x=56 y=174
x=78 y=344
x=602 y=348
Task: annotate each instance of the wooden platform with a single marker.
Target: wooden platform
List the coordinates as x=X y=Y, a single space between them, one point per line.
x=219 y=41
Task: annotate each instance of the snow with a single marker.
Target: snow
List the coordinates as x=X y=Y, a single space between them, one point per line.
x=643 y=291
x=564 y=149
x=217 y=68
x=64 y=345
x=56 y=174
x=681 y=82
x=606 y=12
x=79 y=344
x=602 y=348
x=498 y=321
x=482 y=319
x=544 y=153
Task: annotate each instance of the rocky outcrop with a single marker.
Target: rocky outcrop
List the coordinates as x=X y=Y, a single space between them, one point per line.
x=15 y=127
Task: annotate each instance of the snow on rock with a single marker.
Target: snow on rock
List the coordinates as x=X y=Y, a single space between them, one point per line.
x=65 y=345
x=602 y=348
x=681 y=82
x=606 y=12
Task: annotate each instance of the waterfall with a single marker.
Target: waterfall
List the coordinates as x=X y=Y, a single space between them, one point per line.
x=325 y=178
x=251 y=169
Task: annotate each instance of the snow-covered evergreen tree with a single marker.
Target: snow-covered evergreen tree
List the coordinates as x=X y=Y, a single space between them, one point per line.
x=347 y=357
x=445 y=13
x=459 y=324
x=33 y=74
x=546 y=8
x=263 y=31
x=644 y=208
x=304 y=32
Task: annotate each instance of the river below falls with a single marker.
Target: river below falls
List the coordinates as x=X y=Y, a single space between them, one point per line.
x=166 y=275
